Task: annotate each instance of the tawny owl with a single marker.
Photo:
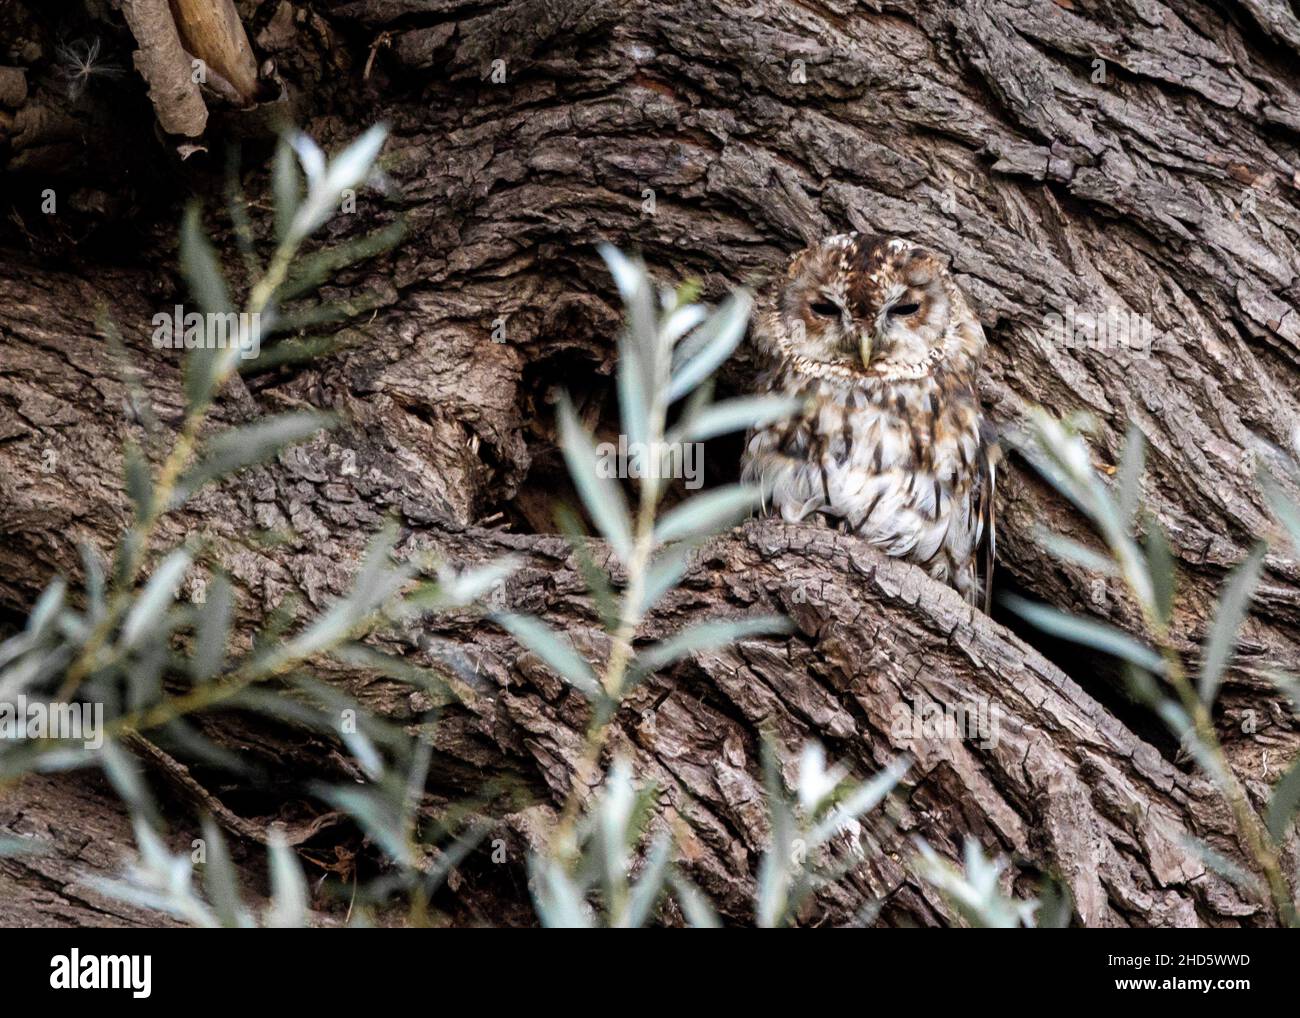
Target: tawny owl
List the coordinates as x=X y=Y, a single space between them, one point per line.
x=882 y=347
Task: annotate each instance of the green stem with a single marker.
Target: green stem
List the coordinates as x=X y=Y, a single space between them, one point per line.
x=1249 y=828
x=1252 y=831
x=564 y=841
x=165 y=488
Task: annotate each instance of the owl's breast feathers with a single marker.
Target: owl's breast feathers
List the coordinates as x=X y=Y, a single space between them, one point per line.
x=901 y=461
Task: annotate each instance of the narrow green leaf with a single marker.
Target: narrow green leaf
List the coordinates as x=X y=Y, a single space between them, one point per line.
x=633 y=284
x=560 y=903
x=237 y=209
x=1180 y=723
x=335 y=626
x=286 y=186
x=153 y=852
x=199 y=265
x=1288 y=685
x=311 y=271
x=288 y=887
x=10 y=847
x=183 y=741
x=1284 y=802
x=1285 y=509
x=379 y=576
x=543 y=641
x=1062 y=458
x=1069 y=550
x=1160 y=563
x=738 y=415
x=597 y=580
x=363 y=751
x=708 y=636
x=650 y=886
x=601 y=495
x=47 y=608
x=695 y=906
x=1131 y=465
x=976 y=891
x=665 y=573
x=682 y=318
x=1223 y=866
x=861 y=801
x=639 y=345
x=207 y=285
x=220 y=881
x=238 y=448
x=94 y=581
x=706 y=514
x=376 y=581
x=614 y=824
x=325 y=185
x=700 y=399
x=154 y=600
x=213 y=632
x=772 y=893
x=634 y=387
x=375 y=814
x=1234 y=602
x=466 y=587
x=144 y=679
x=139 y=484
x=123 y=773
x=432 y=681
x=1055 y=905
x=295 y=351
x=1087 y=632
x=452 y=856
x=1141 y=686
x=711 y=344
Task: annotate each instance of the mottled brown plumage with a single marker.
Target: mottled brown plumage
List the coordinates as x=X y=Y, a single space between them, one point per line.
x=880 y=344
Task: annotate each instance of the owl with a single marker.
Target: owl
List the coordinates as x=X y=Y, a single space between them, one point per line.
x=880 y=346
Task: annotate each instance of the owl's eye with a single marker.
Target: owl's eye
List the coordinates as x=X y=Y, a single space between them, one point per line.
x=905 y=309
x=826 y=308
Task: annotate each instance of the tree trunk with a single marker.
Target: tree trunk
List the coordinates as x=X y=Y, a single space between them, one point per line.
x=1070 y=158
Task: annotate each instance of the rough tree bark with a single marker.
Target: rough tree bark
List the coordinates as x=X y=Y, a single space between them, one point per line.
x=1136 y=156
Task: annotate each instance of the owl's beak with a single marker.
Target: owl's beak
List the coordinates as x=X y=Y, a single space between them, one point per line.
x=864 y=348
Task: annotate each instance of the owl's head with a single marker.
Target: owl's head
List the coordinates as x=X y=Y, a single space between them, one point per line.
x=873 y=306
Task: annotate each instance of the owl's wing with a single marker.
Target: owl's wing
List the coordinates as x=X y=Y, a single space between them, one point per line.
x=989 y=457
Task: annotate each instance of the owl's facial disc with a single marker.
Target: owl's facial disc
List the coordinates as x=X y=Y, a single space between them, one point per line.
x=815 y=309
x=911 y=322
x=903 y=295
x=871 y=304
x=893 y=320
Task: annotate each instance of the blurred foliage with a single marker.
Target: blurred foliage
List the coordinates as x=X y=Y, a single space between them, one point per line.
x=1157 y=675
